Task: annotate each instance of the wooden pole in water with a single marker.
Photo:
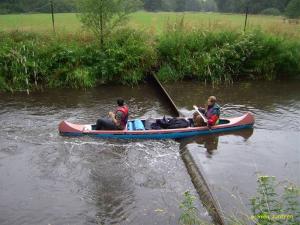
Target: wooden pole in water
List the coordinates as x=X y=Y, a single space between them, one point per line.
x=165 y=95
x=198 y=178
x=52 y=12
x=246 y=17
x=209 y=201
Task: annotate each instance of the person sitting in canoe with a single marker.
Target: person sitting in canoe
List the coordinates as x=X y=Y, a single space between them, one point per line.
x=118 y=119
x=211 y=112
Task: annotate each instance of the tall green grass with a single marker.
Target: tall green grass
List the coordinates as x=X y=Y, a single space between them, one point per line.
x=225 y=56
x=32 y=61
x=270 y=207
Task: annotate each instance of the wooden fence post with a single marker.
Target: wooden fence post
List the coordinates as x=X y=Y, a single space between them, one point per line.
x=52 y=12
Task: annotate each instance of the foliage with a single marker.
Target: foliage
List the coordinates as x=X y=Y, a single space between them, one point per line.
x=269 y=208
x=271 y=11
x=103 y=16
x=153 y=5
x=189 y=215
x=225 y=56
x=167 y=73
x=30 y=61
x=255 y=6
x=31 y=6
x=81 y=77
x=125 y=58
x=3 y=85
x=293 y=9
x=209 y=6
x=18 y=65
x=36 y=62
x=180 y=5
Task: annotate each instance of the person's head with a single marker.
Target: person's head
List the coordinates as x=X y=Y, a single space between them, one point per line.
x=120 y=102
x=211 y=100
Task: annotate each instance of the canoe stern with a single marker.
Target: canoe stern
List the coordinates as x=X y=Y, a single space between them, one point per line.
x=247 y=119
x=66 y=127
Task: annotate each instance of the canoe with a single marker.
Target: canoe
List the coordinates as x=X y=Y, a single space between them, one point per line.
x=135 y=129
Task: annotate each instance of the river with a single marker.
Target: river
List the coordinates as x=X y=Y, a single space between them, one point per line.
x=49 y=179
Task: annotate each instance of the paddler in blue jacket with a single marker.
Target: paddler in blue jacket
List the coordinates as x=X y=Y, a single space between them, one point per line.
x=118 y=119
x=211 y=111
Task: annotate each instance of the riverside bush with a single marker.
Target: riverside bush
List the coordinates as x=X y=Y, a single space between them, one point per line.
x=31 y=61
x=227 y=56
x=269 y=206
x=271 y=11
x=44 y=61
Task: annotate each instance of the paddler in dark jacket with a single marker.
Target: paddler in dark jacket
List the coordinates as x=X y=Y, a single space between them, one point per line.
x=211 y=111
x=118 y=119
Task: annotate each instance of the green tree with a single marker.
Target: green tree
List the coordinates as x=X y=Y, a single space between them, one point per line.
x=152 y=5
x=179 y=5
x=255 y=6
x=192 y=5
x=293 y=9
x=168 y=5
x=231 y=5
x=209 y=6
x=29 y=6
x=103 y=16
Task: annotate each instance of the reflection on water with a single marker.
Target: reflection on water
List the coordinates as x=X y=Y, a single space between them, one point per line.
x=210 y=142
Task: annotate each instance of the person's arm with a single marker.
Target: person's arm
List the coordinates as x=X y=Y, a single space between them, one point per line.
x=113 y=118
x=212 y=120
x=202 y=110
x=116 y=118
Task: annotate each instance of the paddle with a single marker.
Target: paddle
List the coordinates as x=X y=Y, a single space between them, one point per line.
x=201 y=114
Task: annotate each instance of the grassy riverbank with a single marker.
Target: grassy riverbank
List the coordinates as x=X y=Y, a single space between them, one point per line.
x=31 y=60
x=209 y=47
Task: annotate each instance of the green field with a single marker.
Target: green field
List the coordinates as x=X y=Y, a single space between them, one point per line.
x=153 y=22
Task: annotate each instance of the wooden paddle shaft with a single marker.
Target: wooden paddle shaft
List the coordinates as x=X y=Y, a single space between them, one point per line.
x=201 y=114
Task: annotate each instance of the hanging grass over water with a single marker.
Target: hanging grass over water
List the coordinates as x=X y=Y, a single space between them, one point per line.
x=32 y=61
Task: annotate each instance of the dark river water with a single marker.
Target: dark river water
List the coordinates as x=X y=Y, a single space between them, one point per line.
x=49 y=179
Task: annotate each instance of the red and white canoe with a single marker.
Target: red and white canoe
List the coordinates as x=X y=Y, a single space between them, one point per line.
x=135 y=129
